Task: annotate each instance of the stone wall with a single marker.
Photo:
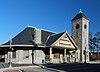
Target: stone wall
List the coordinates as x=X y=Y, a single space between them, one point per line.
x=20 y=57
x=39 y=56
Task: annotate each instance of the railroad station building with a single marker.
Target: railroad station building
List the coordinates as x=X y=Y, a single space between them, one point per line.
x=39 y=46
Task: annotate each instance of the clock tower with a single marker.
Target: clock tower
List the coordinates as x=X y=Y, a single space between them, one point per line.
x=80 y=29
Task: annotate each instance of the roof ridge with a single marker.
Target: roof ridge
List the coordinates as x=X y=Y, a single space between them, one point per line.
x=41 y=29
x=57 y=33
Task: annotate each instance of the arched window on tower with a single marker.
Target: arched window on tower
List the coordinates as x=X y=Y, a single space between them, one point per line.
x=77 y=28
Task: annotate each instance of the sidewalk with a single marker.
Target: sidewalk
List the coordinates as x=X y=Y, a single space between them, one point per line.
x=16 y=69
x=97 y=62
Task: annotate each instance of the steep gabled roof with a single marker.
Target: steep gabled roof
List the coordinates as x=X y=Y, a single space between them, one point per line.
x=63 y=39
x=53 y=38
x=79 y=15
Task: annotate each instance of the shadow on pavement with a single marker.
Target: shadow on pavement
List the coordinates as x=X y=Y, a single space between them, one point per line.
x=75 y=67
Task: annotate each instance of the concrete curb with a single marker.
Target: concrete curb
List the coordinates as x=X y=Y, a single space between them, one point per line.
x=93 y=62
x=51 y=69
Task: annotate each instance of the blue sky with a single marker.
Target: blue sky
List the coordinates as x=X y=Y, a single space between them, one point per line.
x=53 y=15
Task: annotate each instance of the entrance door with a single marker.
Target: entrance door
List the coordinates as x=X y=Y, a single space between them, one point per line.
x=32 y=57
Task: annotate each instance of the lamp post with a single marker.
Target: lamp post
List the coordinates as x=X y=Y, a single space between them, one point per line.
x=10 y=60
x=10 y=55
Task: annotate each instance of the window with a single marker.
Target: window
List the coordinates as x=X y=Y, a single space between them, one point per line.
x=85 y=26
x=77 y=26
x=14 y=54
x=26 y=53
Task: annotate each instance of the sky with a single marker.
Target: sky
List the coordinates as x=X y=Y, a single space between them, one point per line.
x=53 y=15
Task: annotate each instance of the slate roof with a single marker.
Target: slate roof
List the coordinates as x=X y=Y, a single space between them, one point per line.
x=26 y=37
x=23 y=38
x=45 y=35
x=79 y=15
x=51 y=39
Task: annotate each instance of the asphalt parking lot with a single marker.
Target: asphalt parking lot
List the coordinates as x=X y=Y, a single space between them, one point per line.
x=68 y=67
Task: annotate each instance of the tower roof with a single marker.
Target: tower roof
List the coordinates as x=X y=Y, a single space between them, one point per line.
x=80 y=15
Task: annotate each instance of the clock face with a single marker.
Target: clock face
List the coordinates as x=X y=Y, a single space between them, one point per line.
x=85 y=26
x=77 y=26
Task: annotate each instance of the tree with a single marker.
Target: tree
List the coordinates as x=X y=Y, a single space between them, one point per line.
x=97 y=43
x=91 y=43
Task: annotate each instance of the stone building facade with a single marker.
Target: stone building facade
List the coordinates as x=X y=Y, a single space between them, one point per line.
x=80 y=29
